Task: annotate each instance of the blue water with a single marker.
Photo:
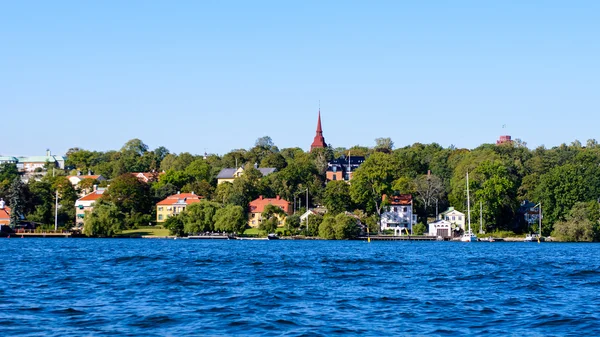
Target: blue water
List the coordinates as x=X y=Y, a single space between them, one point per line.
x=136 y=287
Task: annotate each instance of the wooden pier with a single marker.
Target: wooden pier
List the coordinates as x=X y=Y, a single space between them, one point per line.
x=401 y=238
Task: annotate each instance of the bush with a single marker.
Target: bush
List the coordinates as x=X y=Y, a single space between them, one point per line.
x=419 y=229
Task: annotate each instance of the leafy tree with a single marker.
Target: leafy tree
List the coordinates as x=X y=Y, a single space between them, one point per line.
x=175 y=178
x=104 y=220
x=384 y=145
x=129 y=195
x=275 y=160
x=271 y=216
x=337 y=197
x=265 y=142
x=419 y=229
x=326 y=228
x=175 y=225
x=201 y=187
x=345 y=227
x=230 y=219
x=199 y=170
x=293 y=222
x=198 y=217
x=373 y=179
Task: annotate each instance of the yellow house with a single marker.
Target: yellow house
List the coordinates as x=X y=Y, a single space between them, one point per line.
x=174 y=204
x=257 y=206
x=229 y=174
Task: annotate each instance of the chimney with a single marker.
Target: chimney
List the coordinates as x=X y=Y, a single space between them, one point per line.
x=178 y=192
x=255 y=165
x=95 y=188
x=278 y=197
x=48 y=153
x=2 y=203
x=261 y=197
x=193 y=193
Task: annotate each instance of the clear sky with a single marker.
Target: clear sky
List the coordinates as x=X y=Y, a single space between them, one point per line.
x=217 y=75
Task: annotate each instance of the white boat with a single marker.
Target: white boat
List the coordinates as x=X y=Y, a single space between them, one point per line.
x=468 y=236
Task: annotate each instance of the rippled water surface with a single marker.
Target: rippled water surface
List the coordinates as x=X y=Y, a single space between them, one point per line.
x=136 y=287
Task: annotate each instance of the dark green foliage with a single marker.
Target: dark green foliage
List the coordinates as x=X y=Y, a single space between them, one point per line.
x=175 y=225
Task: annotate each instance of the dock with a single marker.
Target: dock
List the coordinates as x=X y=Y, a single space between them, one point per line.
x=400 y=238
x=210 y=237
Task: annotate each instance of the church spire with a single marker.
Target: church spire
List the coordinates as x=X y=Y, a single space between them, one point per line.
x=319 y=140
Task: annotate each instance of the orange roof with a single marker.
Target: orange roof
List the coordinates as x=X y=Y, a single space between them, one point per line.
x=92 y=196
x=5 y=213
x=258 y=205
x=147 y=176
x=187 y=198
x=402 y=199
x=96 y=176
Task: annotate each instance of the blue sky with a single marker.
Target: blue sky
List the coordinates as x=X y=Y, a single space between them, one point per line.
x=217 y=75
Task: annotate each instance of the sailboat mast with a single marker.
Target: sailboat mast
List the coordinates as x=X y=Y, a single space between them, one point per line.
x=468 y=203
x=480 y=217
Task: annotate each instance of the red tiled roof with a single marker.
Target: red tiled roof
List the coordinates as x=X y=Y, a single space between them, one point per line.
x=258 y=205
x=92 y=196
x=188 y=198
x=5 y=213
x=402 y=199
x=96 y=176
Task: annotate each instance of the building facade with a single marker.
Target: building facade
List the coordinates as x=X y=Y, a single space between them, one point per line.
x=441 y=228
x=343 y=168
x=175 y=204
x=454 y=217
x=257 y=206
x=4 y=213
x=398 y=214
x=86 y=204
x=228 y=175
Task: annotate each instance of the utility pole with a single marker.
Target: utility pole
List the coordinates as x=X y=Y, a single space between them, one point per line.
x=55 y=205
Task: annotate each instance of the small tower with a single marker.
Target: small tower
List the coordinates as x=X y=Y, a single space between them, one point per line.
x=319 y=141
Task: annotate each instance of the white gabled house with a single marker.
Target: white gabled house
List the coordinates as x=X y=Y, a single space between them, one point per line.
x=455 y=217
x=398 y=214
x=441 y=228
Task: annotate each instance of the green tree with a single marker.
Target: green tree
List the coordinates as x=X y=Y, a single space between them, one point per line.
x=582 y=223
x=104 y=220
x=230 y=219
x=175 y=225
x=337 y=197
x=373 y=179
x=326 y=228
x=129 y=195
x=271 y=216
x=419 y=229
x=345 y=227
x=198 y=217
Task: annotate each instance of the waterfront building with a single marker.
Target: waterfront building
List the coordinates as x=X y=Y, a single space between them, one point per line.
x=4 y=213
x=8 y=160
x=398 y=214
x=343 y=168
x=175 y=204
x=319 y=140
x=86 y=204
x=230 y=174
x=441 y=228
x=257 y=206
x=454 y=217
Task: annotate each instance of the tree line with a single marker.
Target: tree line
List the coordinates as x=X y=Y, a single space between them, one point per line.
x=565 y=179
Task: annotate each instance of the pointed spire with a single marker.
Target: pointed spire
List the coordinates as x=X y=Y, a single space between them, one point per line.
x=319 y=129
x=319 y=140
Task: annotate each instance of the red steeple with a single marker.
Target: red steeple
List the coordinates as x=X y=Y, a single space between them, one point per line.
x=319 y=141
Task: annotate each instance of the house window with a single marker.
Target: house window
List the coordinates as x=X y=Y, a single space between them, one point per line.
x=395 y=209
x=453 y=218
x=253 y=215
x=335 y=177
x=160 y=217
x=160 y=209
x=404 y=209
x=460 y=217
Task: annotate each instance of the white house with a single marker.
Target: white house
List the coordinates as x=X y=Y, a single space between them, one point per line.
x=454 y=217
x=398 y=214
x=440 y=228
